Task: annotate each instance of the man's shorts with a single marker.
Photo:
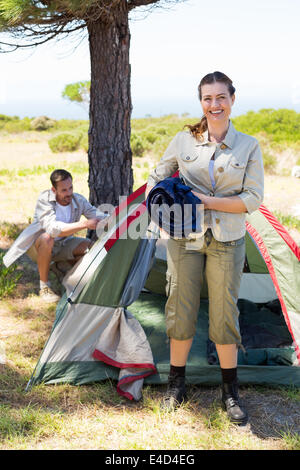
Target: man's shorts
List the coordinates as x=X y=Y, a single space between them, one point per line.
x=222 y=262
x=62 y=249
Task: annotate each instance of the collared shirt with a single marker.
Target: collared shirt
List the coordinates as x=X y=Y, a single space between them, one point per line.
x=237 y=170
x=45 y=220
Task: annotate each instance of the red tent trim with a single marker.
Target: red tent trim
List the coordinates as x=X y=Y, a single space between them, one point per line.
x=281 y=230
x=121 y=365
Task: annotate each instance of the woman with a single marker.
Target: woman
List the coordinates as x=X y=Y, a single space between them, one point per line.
x=224 y=169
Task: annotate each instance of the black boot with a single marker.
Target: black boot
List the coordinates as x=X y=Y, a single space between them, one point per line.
x=176 y=393
x=230 y=401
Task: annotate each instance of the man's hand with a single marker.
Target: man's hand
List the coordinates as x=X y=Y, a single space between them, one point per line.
x=91 y=224
x=75 y=227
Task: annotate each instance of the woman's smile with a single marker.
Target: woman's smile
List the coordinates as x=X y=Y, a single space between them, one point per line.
x=216 y=113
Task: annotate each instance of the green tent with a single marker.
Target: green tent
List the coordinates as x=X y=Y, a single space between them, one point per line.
x=110 y=321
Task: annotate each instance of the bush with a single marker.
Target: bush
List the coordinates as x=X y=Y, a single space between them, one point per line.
x=5 y=118
x=84 y=142
x=65 y=142
x=42 y=123
x=15 y=126
x=138 y=145
x=8 y=278
x=150 y=136
x=280 y=125
x=270 y=162
x=65 y=125
x=11 y=230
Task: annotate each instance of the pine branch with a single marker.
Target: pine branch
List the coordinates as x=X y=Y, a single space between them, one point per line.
x=138 y=3
x=41 y=36
x=43 y=20
x=155 y=3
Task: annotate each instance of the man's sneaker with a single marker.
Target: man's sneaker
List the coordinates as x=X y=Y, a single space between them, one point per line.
x=48 y=295
x=175 y=395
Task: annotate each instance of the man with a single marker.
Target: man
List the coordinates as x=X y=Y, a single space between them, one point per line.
x=49 y=239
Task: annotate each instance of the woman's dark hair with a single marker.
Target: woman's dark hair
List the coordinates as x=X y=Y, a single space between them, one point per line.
x=198 y=129
x=59 y=175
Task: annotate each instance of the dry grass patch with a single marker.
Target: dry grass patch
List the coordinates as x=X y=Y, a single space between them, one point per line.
x=96 y=417
x=133 y=428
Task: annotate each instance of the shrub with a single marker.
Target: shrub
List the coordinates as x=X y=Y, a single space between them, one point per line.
x=8 y=278
x=84 y=142
x=10 y=230
x=138 y=145
x=65 y=125
x=281 y=125
x=5 y=118
x=162 y=131
x=65 y=142
x=270 y=162
x=42 y=123
x=17 y=125
x=6 y=172
x=150 y=136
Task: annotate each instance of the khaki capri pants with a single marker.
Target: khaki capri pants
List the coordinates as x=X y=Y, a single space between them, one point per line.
x=223 y=264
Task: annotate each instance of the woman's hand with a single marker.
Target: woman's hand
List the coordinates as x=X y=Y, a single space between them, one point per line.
x=232 y=204
x=148 y=189
x=203 y=198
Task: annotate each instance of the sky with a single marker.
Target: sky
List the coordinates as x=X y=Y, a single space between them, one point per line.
x=256 y=43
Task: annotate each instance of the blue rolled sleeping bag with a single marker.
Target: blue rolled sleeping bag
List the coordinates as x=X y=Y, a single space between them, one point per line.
x=174 y=208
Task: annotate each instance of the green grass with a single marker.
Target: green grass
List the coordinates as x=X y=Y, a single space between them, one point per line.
x=291 y=440
x=75 y=168
x=29 y=421
x=10 y=230
x=9 y=278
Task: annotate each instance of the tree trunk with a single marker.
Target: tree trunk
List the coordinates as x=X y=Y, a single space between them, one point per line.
x=109 y=155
